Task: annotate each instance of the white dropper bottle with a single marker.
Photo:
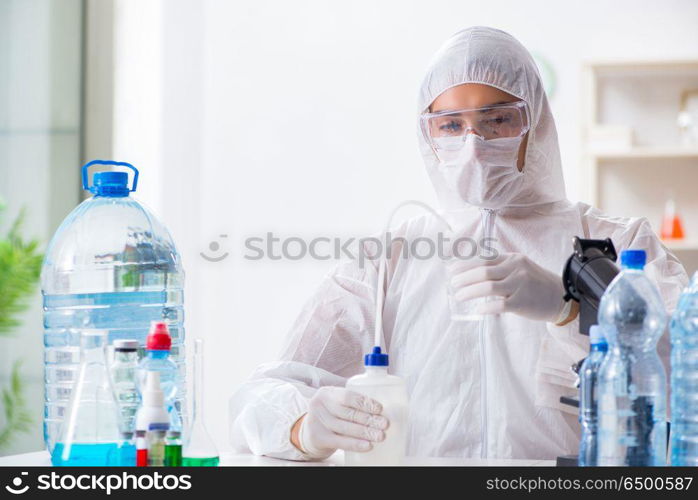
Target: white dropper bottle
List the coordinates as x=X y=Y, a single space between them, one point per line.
x=391 y=392
x=152 y=411
x=376 y=383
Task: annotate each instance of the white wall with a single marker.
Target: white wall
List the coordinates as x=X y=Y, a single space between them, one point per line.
x=299 y=118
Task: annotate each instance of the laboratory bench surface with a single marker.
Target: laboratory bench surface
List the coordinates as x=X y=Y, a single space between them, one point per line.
x=42 y=459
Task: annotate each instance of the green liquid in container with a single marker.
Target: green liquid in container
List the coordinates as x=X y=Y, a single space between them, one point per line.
x=200 y=461
x=173 y=455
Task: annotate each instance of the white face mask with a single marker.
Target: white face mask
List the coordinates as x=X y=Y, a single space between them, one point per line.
x=483 y=173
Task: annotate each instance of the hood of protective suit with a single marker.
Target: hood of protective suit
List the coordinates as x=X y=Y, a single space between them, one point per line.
x=492 y=57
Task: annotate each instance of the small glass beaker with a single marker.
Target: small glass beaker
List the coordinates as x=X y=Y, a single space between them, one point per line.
x=464 y=310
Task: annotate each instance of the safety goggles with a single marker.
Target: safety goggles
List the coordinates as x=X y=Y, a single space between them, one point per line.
x=447 y=130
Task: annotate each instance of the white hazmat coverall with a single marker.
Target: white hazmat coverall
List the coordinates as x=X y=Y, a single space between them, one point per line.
x=487 y=388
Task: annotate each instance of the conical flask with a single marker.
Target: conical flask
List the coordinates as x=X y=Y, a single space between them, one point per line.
x=90 y=433
x=199 y=450
x=672 y=226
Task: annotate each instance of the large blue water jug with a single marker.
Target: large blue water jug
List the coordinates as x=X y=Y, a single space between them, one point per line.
x=110 y=266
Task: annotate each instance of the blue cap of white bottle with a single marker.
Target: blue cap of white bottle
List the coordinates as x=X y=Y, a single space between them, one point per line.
x=376 y=358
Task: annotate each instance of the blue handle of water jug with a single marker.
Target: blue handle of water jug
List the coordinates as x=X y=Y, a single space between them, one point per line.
x=86 y=183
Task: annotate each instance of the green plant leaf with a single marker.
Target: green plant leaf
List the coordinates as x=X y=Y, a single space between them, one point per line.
x=20 y=267
x=17 y=416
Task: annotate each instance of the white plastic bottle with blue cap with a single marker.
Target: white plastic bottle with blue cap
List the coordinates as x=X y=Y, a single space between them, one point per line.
x=632 y=380
x=112 y=266
x=389 y=391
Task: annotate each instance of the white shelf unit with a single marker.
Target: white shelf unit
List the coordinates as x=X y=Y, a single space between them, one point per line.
x=636 y=179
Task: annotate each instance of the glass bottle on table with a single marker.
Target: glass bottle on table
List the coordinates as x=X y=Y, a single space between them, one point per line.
x=199 y=449
x=155 y=438
x=141 y=449
x=173 y=449
x=124 y=372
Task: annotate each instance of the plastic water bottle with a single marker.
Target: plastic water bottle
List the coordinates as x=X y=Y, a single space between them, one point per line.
x=684 y=378
x=111 y=266
x=632 y=381
x=588 y=397
x=157 y=359
x=390 y=391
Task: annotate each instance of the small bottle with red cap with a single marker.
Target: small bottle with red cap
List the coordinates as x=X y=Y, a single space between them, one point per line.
x=157 y=358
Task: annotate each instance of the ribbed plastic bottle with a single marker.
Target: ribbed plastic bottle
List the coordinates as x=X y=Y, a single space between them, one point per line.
x=112 y=266
x=390 y=391
x=588 y=397
x=632 y=380
x=684 y=378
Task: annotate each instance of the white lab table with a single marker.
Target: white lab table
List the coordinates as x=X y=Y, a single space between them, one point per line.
x=41 y=458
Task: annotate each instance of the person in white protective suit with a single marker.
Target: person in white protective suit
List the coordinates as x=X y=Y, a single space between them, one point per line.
x=488 y=388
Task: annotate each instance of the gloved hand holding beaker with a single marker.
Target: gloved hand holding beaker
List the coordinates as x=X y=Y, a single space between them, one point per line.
x=515 y=284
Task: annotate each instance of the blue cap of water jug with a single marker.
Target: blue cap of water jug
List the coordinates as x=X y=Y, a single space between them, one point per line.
x=111 y=184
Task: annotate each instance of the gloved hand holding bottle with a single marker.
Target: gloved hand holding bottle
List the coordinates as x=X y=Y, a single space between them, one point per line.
x=339 y=419
x=518 y=284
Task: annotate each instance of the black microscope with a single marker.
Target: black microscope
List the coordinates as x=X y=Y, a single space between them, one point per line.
x=587 y=274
